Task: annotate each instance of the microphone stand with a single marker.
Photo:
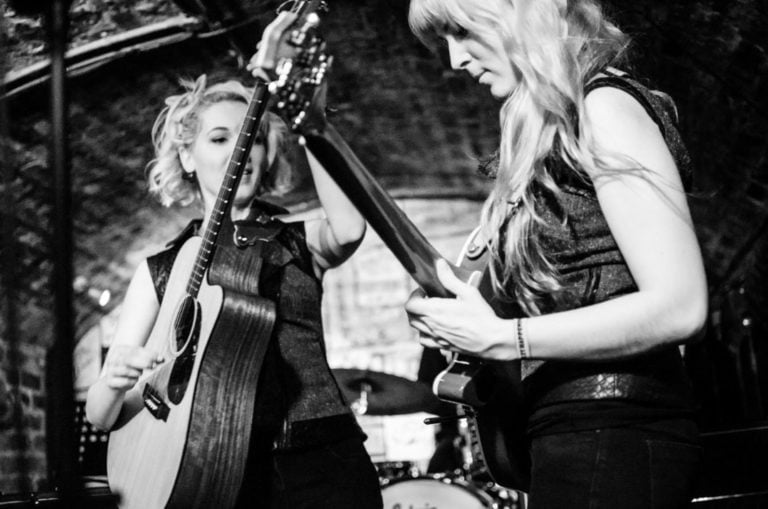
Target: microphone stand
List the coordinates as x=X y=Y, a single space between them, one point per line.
x=63 y=468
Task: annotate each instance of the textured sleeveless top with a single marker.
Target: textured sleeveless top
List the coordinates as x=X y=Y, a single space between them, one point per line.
x=576 y=236
x=298 y=396
x=579 y=243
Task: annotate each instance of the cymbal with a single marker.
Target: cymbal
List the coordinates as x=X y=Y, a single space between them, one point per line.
x=377 y=393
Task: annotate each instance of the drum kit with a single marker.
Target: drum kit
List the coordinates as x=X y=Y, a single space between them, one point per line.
x=392 y=410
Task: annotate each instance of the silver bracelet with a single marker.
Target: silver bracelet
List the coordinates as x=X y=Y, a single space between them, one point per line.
x=522 y=342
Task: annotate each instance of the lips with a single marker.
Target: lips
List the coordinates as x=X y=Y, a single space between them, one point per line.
x=480 y=76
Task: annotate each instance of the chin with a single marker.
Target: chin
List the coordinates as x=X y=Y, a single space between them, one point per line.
x=501 y=92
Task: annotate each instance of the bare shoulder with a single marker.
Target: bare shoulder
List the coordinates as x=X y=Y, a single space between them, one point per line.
x=141 y=290
x=611 y=108
x=619 y=124
x=142 y=276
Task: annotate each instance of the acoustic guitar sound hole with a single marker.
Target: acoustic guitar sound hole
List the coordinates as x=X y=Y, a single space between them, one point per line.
x=187 y=331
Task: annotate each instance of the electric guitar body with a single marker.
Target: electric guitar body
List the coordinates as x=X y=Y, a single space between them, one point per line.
x=490 y=396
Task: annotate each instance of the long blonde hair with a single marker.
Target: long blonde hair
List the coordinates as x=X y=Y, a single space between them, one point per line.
x=554 y=47
x=177 y=126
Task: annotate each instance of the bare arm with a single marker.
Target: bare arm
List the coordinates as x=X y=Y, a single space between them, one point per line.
x=334 y=238
x=651 y=223
x=127 y=357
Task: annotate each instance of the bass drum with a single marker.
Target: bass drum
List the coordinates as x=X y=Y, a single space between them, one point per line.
x=434 y=492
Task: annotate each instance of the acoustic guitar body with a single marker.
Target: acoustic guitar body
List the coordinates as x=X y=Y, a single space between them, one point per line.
x=188 y=448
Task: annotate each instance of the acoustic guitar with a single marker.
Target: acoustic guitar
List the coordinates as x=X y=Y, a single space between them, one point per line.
x=489 y=393
x=184 y=432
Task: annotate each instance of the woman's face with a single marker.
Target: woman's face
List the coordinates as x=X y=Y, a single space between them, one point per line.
x=209 y=154
x=483 y=56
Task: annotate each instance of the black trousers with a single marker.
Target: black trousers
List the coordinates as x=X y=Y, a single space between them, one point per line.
x=613 y=468
x=334 y=476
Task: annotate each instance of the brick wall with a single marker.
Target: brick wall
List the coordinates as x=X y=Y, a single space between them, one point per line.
x=22 y=412
x=366 y=326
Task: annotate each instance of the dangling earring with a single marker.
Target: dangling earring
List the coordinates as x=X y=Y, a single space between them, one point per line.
x=189 y=176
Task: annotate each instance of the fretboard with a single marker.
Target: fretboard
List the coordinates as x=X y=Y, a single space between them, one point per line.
x=231 y=180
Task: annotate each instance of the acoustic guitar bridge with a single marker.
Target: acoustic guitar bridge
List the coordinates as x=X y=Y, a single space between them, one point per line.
x=154 y=403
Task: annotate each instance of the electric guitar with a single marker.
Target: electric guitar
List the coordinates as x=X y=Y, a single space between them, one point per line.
x=489 y=393
x=184 y=432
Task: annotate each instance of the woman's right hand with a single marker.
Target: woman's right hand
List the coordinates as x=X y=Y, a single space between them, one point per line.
x=272 y=49
x=262 y=64
x=125 y=364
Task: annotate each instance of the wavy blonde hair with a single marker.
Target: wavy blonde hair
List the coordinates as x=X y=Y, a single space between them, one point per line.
x=177 y=126
x=555 y=47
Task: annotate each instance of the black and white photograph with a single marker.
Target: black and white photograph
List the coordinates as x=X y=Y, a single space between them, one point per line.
x=384 y=254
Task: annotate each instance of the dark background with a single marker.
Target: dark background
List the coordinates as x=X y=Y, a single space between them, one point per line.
x=418 y=126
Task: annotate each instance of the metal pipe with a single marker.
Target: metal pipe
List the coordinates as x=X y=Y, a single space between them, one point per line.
x=60 y=415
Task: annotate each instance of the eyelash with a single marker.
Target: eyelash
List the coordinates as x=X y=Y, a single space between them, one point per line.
x=220 y=140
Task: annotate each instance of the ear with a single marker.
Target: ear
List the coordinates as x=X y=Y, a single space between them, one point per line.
x=185 y=156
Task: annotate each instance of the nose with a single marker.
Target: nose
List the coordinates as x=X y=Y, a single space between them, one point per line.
x=457 y=53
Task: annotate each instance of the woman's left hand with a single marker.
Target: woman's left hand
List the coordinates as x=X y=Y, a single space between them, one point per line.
x=465 y=323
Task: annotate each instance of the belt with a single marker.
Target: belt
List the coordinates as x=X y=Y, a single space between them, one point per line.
x=628 y=386
x=657 y=379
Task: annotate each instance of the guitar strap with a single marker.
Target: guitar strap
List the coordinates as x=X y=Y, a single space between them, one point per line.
x=253 y=243
x=263 y=228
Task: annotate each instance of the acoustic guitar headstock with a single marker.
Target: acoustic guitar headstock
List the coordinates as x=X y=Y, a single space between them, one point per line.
x=292 y=54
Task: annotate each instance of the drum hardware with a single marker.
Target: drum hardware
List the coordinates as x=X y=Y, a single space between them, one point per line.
x=360 y=405
x=445 y=418
x=390 y=471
